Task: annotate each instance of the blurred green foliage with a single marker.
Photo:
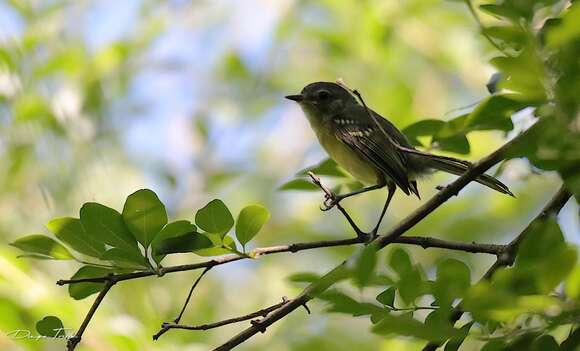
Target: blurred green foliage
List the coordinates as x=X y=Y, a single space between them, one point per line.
x=186 y=99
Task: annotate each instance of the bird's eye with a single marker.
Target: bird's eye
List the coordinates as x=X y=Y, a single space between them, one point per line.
x=323 y=95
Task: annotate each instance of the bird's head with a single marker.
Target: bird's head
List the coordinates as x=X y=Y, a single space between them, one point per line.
x=323 y=99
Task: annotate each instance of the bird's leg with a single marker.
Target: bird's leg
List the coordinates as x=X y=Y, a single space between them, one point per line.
x=331 y=199
x=391 y=188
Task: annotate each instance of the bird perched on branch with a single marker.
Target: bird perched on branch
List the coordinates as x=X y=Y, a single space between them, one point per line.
x=370 y=147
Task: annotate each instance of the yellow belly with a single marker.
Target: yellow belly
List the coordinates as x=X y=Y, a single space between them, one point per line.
x=348 y=159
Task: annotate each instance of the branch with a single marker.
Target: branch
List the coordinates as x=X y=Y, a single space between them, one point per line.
x=261 y=313
x=381 y=241
x=164 y=329
x=425 y=242
x=73 y=342
x=508 y=256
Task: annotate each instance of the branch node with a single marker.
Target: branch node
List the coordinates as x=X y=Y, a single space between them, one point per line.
x=306 y=308
x=257 y=323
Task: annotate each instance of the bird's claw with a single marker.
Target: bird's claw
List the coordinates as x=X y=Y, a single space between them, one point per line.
x=330 y=200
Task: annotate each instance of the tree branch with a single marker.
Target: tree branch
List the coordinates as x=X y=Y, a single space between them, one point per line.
x=261 y=313
x=73 y=342
x=424 y=242
x=164 y=329
x=508 y=256
x=381 y=241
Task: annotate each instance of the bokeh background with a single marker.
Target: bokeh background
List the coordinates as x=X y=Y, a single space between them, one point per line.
x=101 y=98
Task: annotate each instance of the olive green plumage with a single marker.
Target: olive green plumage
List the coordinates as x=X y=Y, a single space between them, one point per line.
x=352 y=139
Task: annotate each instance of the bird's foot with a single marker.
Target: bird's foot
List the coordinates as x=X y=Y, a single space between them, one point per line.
x=330 y=200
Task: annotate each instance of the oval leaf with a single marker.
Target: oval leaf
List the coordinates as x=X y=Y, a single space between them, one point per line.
x=50 y=326
x=250 y=221
x=144 y=215
x=215 y=218
x=122 y=257
x=106 y=225
x=71 y=231
x=171 y=230
x=298 y=184
x=43 y=245
x=184 y=243
x=79 y=291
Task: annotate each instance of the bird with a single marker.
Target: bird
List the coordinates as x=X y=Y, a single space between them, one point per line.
x=371 y=148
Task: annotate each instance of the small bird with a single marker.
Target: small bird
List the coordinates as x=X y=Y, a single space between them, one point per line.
x=370 y=147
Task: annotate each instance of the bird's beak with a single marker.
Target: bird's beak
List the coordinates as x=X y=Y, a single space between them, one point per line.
x=297 y=98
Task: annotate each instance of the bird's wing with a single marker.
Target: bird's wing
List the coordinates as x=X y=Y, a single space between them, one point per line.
x=363 y=137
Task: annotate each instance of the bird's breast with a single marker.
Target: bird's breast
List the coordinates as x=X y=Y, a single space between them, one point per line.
x=348 y=159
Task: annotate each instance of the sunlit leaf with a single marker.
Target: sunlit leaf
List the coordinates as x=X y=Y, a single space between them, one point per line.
x=144 y=215
x=250 y=221
x=214 y=218
x=43 y=245
x=327 y=167
x=107 y=225
x=71 y=231
x=299 y=184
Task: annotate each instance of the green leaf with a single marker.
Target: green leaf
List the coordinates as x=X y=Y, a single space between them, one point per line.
x=455 y=343
x=121 y=257
x=342 y=303
x=545 y=343
x=50 y=326
x=364 y=265
x=494 y=345
x=453 y=279
x=304 y=277
x=495 y=112
x=328 y=167
x=573 y=284
x=187 y=242
x=400 y=261
x=79 y=291
x=71 y=231
x=106 y=225
x=426 y=127
x=412 y=285
x=408 y=326
x=221 y=246
x=387 y=297
x=457 y=144
x=144 y=215
x=250 y=221
x=43 y=245
x=567 y=31
x=171 y=230
x=298 y=184
x=215 y=218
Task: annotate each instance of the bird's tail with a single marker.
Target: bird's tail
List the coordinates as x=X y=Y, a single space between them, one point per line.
x=458 y=167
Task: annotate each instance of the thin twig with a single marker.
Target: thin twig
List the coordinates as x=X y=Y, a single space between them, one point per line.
x=261 y=313
x=328 y=192
x=73 y=341
x=424 y=242
x=482 y=27
x=164 y=329
x=508 y=256
x=326 y=281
